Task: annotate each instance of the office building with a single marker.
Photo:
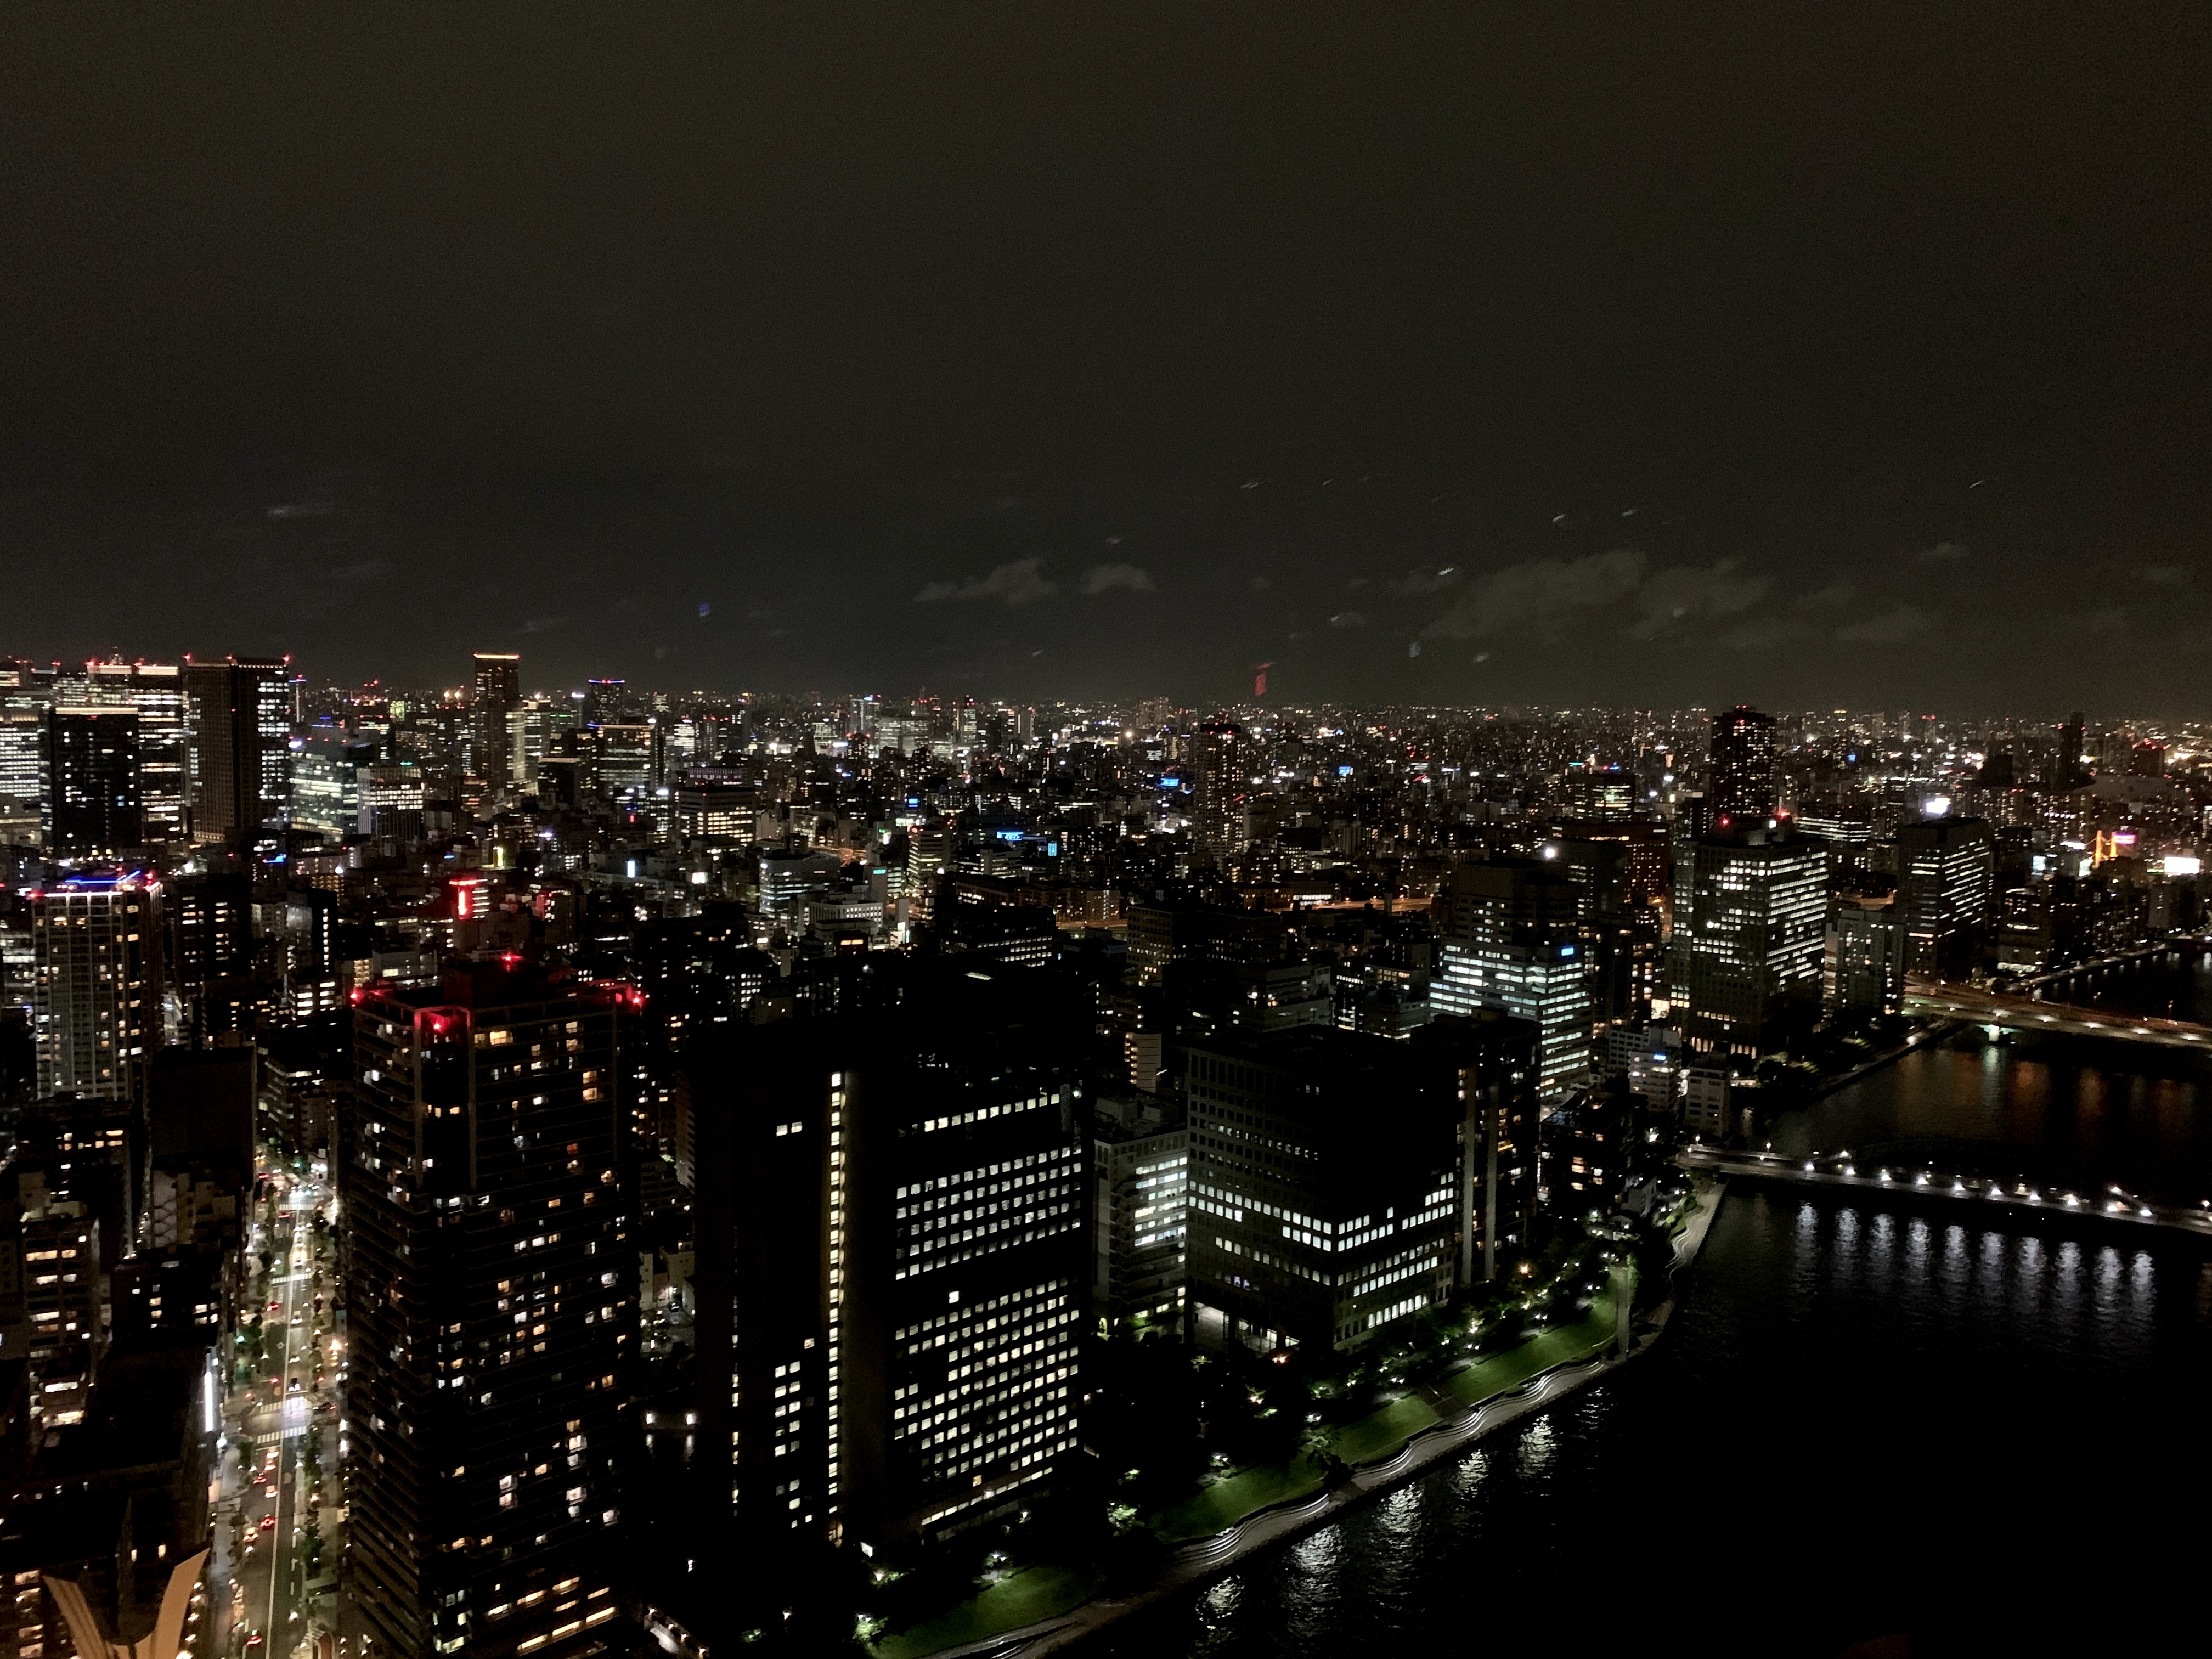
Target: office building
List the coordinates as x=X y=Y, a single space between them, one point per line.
x=1744 y=964
x=1140 y=1171
x=26 y=694
x=893 y=1261
x=1546 y=984
x=394 y=802
x=705 y=808
x=97 y=1014
x=22 y=758
x=1216 y=766
x=494 y=698
x=1945 y=876
x=327 y=763
x=1017 y=935
x=92 y=803
x=155 y=691
x=490 y=1282
x=789 y=877
x=1862 y=964
x=619 y=759
x=603 y=701
x=1514 y=939
x=209 y=919
x=1585 y=1149
x=1341 y=1184
x=533 y=729
x=1742 y=780
x=239 y=716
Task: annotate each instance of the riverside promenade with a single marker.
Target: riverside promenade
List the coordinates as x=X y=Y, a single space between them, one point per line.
x=1202 y=1560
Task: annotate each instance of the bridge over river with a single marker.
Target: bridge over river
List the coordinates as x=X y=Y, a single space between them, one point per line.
x=1840 y=1171
x=1944 y=999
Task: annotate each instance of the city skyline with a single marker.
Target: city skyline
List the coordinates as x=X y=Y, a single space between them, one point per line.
x=965 y=833
x=1652 y=369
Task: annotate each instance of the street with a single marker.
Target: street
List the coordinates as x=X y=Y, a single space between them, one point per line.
x=277 y=1487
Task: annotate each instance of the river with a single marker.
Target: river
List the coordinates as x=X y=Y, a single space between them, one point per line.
x=1862 y=1422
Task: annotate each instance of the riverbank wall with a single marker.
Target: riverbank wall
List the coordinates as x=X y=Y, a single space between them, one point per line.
x=1197 y=1563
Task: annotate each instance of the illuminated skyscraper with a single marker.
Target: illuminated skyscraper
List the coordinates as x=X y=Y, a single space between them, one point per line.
x=498 y=693
x=605 y=700
x=26 y=694
x=1742 y=783
x=620 y=759
x=894 y=1260
x=1314 y=1221
x=156 y=692
x=1745 y=963
x=97 y=1010
x=92 y=803
x=1217 y=766
x=491 y=1293
x=529 y=740
x=240 y=716
x=1513 y=940
x=1946 y=875
x=1863 y=973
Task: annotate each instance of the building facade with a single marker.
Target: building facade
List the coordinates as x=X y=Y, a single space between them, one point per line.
x=493 y=698
x=1140 y=1175
x=93 y=805
x=490 y=1287
x=1341 y=1184
x=893 y=1264
x=239 y=715
x=96 y=1013
x=1946 y=878
x=1745 y=960
x=1741 y=779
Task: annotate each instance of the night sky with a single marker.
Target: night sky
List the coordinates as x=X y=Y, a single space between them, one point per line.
x=1804 y=354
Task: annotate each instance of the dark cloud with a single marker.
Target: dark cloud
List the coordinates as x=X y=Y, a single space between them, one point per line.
x=1109 y=577
x=1018 y=582
x=1891 y=628
x=1685 y=595
x=801 y=317
x=1541 y=595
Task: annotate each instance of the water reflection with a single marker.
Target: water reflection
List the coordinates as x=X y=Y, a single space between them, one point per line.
x=1863 y=1421
x=2049 y=1110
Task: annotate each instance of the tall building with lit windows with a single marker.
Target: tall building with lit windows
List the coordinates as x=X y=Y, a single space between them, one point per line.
x=1340 y=1182
x=1946 y=875
x=93 y=808
x=490 y=1278
x=496 y=696
x=239 y=718
x=1513 y=940
x=96 y=1013
x=1744 y=965
x=1216 y=781
x=893 y=1255
x=1741 y=782
x=155 y=692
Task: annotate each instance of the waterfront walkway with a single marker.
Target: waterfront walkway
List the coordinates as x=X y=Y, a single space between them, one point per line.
x=1840 y=1170
x=1205 y=1558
